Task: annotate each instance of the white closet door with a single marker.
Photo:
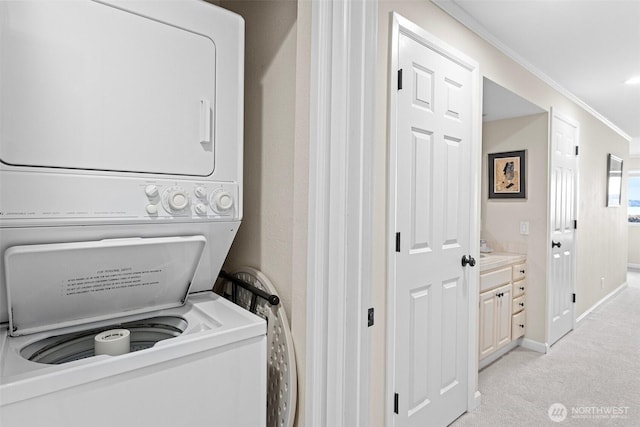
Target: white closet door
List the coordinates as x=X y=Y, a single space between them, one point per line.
x=562 y=203
x=432 y=210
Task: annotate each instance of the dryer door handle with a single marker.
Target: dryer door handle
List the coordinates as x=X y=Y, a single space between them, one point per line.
x=205 y=121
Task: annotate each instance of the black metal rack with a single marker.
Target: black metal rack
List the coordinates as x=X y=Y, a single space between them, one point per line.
x=255 y=292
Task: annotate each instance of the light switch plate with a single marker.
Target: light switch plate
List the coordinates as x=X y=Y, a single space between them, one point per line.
x=524 y=227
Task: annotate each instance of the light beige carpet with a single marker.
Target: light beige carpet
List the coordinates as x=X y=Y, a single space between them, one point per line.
x=594 y=372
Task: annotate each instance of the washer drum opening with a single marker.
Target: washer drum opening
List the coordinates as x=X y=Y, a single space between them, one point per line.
x=61 y=349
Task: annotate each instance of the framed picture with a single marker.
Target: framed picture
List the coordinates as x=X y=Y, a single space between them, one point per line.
x=507 y=175
x=614 y=180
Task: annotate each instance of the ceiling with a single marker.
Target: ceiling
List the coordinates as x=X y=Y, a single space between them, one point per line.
x=587 y=48
x=499 y=103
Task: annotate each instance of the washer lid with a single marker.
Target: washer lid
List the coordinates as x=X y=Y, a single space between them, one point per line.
x=52 y=286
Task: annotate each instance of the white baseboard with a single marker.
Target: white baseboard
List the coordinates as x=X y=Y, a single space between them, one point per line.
x=498 y=354
x=475 y=403
x=530 y=344
x=633 y=266
x=596 y=305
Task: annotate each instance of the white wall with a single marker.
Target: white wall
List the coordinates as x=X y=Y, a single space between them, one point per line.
x=501 y=217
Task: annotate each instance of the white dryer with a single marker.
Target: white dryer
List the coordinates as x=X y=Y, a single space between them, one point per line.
x=120 y=195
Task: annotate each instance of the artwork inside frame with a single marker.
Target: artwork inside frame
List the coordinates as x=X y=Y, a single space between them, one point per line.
x=614 y=180
x=507 y=175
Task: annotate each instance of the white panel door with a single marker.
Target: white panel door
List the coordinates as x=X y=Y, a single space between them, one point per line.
x=432 y=211
x=562 y=197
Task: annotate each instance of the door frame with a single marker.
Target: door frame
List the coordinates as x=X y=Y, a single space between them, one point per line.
x=399 y=25
x=553 y=112
x=340 y=211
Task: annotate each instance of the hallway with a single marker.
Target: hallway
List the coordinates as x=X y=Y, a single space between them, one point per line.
x=593 y=372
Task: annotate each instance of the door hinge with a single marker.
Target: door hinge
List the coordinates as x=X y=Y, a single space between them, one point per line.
x=574 y=298
x=395 y=403
x=575 y=224
x=370 y=317
x=577 y=150
x=400 y=79
x=397 y=242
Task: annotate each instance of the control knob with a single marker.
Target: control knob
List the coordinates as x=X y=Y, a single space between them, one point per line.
x=201 y=209
x=200 y=192
x=151 y=191
x=152 y=209
x=221 y=201
x=175 y=199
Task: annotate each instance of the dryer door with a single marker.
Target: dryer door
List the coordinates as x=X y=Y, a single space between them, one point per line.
x=85 y=85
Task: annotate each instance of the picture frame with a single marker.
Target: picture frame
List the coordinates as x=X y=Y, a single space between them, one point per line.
x=508 y=175
x=614 y=180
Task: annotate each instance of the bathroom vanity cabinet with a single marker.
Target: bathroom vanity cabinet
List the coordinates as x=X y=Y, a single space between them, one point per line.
x=502 y=304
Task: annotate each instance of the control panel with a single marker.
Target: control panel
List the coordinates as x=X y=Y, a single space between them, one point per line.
x=62 y=198
x=200 y=199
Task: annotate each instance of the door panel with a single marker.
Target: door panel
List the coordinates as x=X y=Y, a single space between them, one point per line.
x=453 y=160
x=433 y=210
x=420 y=309
x=449 y=367
x=421 y=200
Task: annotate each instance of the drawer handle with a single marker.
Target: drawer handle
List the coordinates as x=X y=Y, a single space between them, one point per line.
x=522 y=271
x=521 y=304
x=500 y=295
x=521 y=288
x=521 y=325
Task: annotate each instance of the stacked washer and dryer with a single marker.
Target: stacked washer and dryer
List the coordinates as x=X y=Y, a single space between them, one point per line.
x=120 y=195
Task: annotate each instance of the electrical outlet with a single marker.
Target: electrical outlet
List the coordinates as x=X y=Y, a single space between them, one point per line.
x=524 y=227
x=602 y=283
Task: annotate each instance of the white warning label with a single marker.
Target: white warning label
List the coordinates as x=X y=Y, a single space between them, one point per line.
x=111 y=279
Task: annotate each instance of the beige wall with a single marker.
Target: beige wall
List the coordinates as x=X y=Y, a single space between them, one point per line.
x=501 y=218
x=634 y=229
x=602 y=236
x=602 y=233
x=273 y=235
x=265 y=238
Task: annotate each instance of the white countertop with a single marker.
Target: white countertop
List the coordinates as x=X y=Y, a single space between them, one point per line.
x=490 y=261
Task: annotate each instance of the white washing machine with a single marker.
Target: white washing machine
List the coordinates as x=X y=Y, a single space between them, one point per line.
x=120 y=195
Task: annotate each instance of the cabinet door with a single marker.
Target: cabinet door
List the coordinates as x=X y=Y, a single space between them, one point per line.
x=487 y=341
x=503 y=312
